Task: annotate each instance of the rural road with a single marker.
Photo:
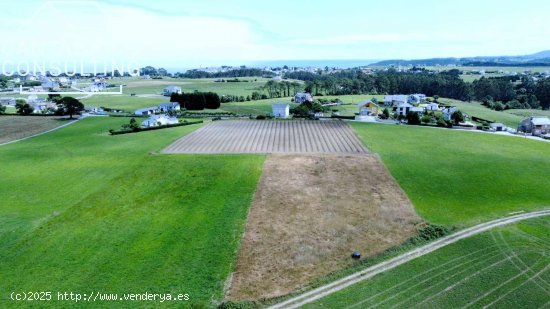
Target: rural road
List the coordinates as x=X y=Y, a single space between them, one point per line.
x=370 y=272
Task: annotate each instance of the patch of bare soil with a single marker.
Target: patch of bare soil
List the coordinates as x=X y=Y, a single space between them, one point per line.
x=309 y=214
x=16 y=127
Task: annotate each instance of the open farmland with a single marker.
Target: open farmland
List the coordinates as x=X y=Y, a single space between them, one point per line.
x=508 y=267
x=85 y=211
x=270 y=136
x=17 y=127
x=332 y=206
x=462 y=178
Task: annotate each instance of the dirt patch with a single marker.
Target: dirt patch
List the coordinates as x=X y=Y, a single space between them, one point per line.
x=16 y=127
x=310 y=213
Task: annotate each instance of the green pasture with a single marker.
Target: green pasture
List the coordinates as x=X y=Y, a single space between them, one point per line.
x=462 y=178
x=85 y=211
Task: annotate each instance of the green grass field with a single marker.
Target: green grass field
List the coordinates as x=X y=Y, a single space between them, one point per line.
x=504 y=268
x=141 y=86
x=123 y=102
x=477 y=110
x=85 y=211
x=462 y=178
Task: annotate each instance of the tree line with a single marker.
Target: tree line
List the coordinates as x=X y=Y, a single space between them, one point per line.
x=510 y=91
x=197 y=100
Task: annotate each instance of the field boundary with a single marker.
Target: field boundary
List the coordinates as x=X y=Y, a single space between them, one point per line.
x=370 y=272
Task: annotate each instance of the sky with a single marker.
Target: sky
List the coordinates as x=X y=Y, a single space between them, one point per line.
x=185 y=34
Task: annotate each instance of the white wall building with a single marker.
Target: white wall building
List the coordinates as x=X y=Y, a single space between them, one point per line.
x=281 y=110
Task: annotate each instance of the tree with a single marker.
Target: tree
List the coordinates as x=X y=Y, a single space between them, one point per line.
x=71 y=106
x=413 y=118
x=23 y=108
x=542 y=92
x=2 y=109
x=386 y=113
x=457 y=117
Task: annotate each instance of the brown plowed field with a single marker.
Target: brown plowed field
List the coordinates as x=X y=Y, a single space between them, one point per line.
x=271 y=136
x=309 y=213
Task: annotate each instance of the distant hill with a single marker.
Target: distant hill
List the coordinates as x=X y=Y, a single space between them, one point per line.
x=538 y=59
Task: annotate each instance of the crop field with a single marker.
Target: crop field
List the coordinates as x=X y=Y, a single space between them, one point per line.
x=86 y=211
x=16 y=127
x=462 y=178
x=332 y=205
x=508 y=267
x=270 y=136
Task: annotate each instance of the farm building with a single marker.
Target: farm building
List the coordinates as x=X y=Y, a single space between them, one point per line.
x=169 y=106
x=281 y=110
x=497 y=126
x=171 y=89
x=147 y=111
x=535 y=125
x=159 y=120
x=302 y=97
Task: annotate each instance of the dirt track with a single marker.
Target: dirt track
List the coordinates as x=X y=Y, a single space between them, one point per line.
x=372 y=271
x=271 y=136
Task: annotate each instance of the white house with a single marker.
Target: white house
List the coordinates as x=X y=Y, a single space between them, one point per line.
x=171 y=89
x=281 y=110
x=42 y=107
x=147 y=111
x=535 y=125
x=169 y=106
x=448 y=112
x=159 y=120
x=302 y=97
x=404 y=108
x=49 y=84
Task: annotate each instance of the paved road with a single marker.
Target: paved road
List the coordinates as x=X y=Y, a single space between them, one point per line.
x=372 y=271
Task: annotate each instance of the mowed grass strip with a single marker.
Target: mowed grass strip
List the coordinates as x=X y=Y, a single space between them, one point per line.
x=84 y=211
x=503 y=268
x=462 y=178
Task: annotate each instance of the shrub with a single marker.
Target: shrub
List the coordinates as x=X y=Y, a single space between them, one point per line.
x=260 y=117
x=2 y=109
x=426 y=119
x=428 y=232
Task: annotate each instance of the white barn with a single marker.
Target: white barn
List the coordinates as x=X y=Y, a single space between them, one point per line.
x=281 y=110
